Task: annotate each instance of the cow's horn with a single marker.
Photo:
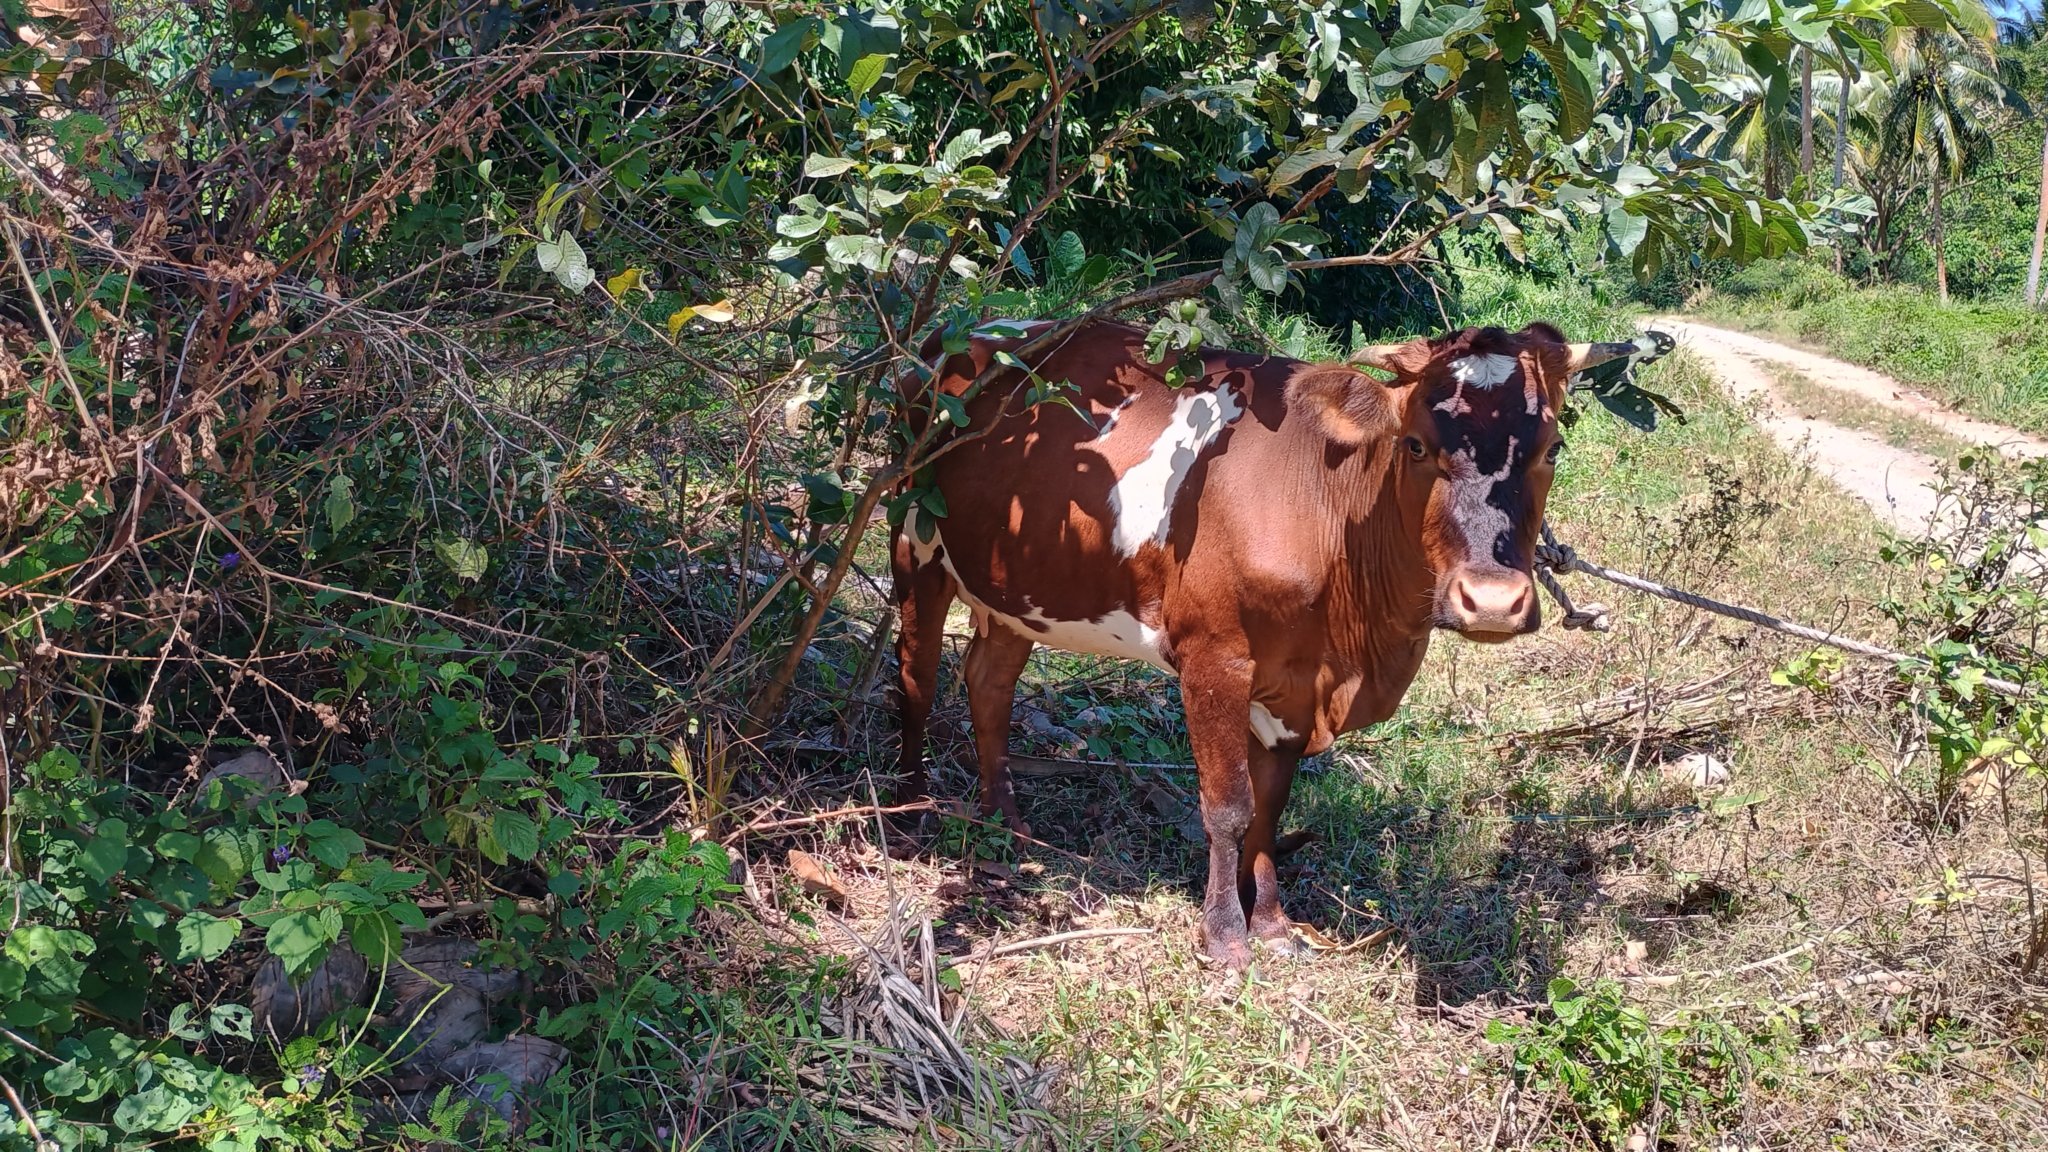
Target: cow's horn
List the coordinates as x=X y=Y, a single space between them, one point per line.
x=1584 y=356
x=1380 y=356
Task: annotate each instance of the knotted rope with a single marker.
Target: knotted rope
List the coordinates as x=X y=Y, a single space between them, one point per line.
x=1554 y=559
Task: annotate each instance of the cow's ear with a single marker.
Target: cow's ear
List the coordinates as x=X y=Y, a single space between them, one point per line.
x=1344 y=405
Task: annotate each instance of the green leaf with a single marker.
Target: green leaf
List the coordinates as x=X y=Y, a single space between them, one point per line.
x=375 y=936
x=1069 y=254
x=564 y=257
x=465 y=558
x=203 y=937
x=1735 y=802
x=103 y=857
x=516 y=833
x=1573 y=73
x=1510 y=235
x=780 y=49
x=331 y=844
x=859 y=251
x=340 y=504
x=1625 y=230
x=818 y=166
x=227 y=856
x=867 y=72
x=301 y=938
x=1268 y=271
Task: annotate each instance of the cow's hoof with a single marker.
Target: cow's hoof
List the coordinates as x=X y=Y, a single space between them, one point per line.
x=1284 y=943
x=1232 y=955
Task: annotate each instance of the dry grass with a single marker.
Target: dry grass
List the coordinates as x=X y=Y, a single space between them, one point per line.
x=1846 y=975
x=1819 y=402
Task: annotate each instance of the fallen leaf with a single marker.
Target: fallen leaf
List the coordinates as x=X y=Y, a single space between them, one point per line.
x=254 y=773
x=995 y=868
x=816 y=877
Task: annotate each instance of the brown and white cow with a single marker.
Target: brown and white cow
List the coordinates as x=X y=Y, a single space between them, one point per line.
x=1282 y=536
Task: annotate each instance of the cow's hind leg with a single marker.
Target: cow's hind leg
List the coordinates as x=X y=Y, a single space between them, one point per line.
x=994 y=661
x=1258 y=881
x=924 y=590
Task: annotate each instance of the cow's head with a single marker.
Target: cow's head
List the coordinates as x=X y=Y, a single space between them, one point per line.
x=1476 y=437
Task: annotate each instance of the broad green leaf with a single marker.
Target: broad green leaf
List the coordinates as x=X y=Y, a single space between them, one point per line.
x=819 y=166
x=202 y=937
x=1624 y=229
x=340 y=504
x=867 y=72
x=1510 y=235
x=465 y=558
x=103 y=857
x=1068 y=255
x=516 y=833
x=564 y=257
x=331 y=844
x=1573 y=74
x=300 y=938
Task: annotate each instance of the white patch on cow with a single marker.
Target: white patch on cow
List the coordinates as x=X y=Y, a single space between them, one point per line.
x=1142 y=501
x=1268 y=728
x=1483 y=369
x=920 y=550
x=1001 y=328
x=1116 y=633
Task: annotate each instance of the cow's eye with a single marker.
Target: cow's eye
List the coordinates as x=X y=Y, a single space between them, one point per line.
x=1416 y=449
x=1555 y=449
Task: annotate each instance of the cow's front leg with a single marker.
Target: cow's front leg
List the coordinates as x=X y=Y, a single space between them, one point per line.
x=1258 y=882
x=1218 y=703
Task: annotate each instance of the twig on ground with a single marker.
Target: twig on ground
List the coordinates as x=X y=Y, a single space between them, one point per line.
x=1665 y=981
x=1037 y=942
x=859 y=811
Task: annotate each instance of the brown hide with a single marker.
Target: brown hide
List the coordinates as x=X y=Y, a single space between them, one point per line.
x=1283 y=536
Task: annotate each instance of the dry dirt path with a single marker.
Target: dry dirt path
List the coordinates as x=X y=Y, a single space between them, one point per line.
x=1897 y=483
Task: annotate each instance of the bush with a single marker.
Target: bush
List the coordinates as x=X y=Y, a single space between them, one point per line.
x=1626 y=1075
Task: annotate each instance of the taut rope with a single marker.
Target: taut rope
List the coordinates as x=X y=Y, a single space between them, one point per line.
x=1552 y=557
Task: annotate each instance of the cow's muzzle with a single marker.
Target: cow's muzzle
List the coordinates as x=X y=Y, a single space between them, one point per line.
x=1488 y=605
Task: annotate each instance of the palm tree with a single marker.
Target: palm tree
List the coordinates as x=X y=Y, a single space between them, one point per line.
x=1938 y=118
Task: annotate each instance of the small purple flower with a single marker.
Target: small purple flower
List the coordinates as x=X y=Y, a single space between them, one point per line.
x=312 y=1074
x=231 y=561
x=280 y=854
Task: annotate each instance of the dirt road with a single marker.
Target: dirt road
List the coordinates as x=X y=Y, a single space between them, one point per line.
x=1897 y=483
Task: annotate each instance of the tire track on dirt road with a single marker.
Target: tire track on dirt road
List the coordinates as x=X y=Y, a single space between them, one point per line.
x=1898 y=484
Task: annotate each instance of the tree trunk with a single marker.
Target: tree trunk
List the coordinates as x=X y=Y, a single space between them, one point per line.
x=1940 y=252
x=2040 y=233
x=1806 y=118
x=1841 y=125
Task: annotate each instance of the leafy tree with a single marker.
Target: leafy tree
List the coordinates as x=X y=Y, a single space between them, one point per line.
x=1937 y=118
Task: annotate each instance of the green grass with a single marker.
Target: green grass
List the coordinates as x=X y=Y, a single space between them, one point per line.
x=1989 y=360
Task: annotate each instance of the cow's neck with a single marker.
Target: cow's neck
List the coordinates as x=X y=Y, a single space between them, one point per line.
x=1384 y=631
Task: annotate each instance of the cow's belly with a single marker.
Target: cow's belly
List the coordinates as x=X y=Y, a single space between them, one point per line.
x=1116 y=631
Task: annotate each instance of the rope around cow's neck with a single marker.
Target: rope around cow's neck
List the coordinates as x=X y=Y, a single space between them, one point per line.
x=1552 y=557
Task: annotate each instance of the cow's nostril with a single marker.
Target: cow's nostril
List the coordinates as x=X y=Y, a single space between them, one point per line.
x=1465 y=600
